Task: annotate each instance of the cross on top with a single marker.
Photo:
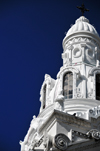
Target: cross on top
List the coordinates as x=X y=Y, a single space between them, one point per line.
x=82 y=8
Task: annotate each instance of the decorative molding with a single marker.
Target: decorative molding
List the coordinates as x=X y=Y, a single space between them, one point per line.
x=70 y=47
x=77 y=52
x=76 y=75
x=88 y=55
x=67 y=69
x=80 y=39
x=94 y=112
x=93 y=70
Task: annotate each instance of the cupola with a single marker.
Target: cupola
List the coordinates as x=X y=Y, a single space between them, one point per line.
x=81 y=43
x=82 y=25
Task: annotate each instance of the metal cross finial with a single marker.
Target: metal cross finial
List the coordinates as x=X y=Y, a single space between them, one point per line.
x=82 y=8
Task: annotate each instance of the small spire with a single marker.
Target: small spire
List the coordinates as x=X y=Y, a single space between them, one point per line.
x=82 y=8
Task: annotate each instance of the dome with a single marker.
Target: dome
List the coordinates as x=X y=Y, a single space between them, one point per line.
x=82 y=25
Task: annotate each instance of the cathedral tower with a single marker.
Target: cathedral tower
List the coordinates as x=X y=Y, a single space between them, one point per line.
x=69 y=117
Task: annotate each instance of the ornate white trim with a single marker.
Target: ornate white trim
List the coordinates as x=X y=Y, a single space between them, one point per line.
x=93 y=70
x=49 y=82
x=67 y=69
x=76 y=74
x=94 y=112
x=75 y=55
x=78 y=39
x=87 y=54
x=82 y=37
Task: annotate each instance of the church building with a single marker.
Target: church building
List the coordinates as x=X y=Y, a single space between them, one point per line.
x=69 y=118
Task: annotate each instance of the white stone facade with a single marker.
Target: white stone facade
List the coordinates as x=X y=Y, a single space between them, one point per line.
x=67 y=98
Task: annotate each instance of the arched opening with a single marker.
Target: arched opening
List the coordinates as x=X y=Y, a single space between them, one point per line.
x=97 y=86
x=68 y=85
x=44 y=96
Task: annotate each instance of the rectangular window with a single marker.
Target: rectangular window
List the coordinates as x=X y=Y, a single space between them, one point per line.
x=68 y=85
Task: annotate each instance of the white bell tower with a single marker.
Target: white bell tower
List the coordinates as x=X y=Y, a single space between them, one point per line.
x=69 y=117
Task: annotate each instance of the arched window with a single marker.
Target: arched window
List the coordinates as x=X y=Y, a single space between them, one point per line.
x=68 y=85
x=97 y=86
x=44 y=96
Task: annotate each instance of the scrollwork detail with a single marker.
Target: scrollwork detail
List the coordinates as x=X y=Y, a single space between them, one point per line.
x=94 y=134
x=61 y=142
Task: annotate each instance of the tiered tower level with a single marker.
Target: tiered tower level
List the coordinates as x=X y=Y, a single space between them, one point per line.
x=69 y=117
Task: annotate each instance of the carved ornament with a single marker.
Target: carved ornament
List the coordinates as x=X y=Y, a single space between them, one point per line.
x=61 y=142
x=90 y=95
x=93 y=70
x=94 y=134
x=95 y=111
x=77 y=52
x=90 y=54
x=67 y=69
x=78 y=93
x=81 y=39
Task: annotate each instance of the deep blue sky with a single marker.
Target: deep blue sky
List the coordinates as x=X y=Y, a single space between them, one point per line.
x=31 y=34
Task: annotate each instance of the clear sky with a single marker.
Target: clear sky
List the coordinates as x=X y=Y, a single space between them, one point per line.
x=31 y=34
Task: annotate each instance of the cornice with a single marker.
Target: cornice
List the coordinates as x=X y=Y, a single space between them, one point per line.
x=58 y=116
